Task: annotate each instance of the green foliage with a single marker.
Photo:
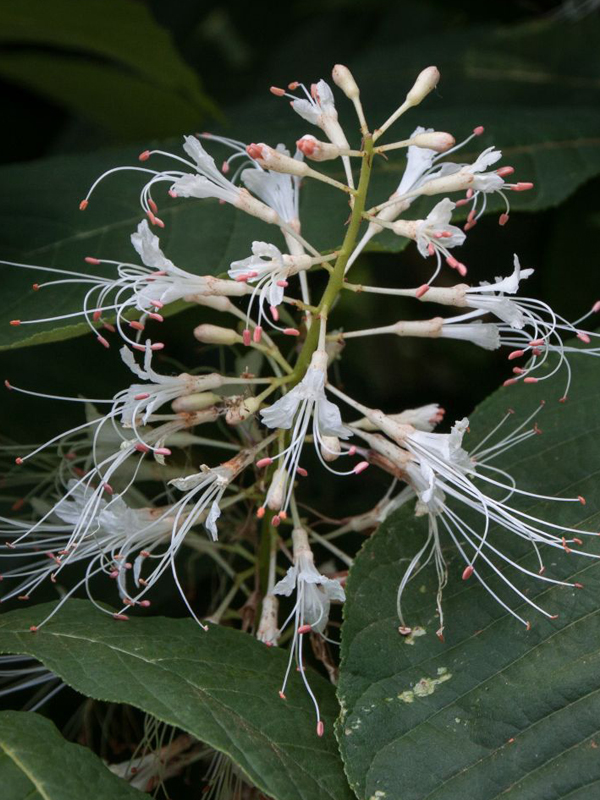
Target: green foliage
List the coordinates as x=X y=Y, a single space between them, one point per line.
x=36 y=763
x=221 y=686
x=113 y=64
x=496 y=707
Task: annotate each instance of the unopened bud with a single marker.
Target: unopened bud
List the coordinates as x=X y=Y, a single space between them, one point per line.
x=343 y=78
x=212 y=301
x=275 y=495
x=195 y=402
x=214 y=334
x=317 y=150
x=426 y=82
x=435 y=140
x=268 y=632
x=330 y=448
x=272 y=159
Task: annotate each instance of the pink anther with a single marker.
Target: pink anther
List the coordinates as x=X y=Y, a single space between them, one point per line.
x=157 y=303
x=276 y=521
x=305 y=629
x=467 y=572
x=522 y=186
x=462 y=270
x=509 y=382
x=306 y=145
x=83 y=205
x=264 y=462
x=504 y=171
x=225 y=167
x=136 y=325
x=260 y=512
x=478 y=130
x=274 y=312
x=360 y=467
x=257 y=334
x=242 y=278
x=157 y=317
x=430 y=249
x=15 y=322
x=35 y=287
x=122 y=617
x=152 y=205
x=141 y=396
x=283 y=284
x=142 y=448
x=33 y=628
x=246 y=337
x=103 y=341
x=518 y=370
x=452 y=262
x=283 y=697
x=291 y=331
x=293 y=86
x=145 y=603
x=537 y=342
x=530 y=380
x=172 y=193
x=92 y=260
x=277 y=91
x=503 y=219
x=581 y=499
x=144 y=156
x=461 y=202
x=162 y=451
x=302 y=472
x=596 y=307
x=584 y=337
x=352 y=450
x=320 y=728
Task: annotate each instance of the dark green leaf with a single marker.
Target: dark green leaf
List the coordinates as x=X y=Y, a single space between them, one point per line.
x=36 y=763
x=119 y=31
x=495 y=709
x=221 y=686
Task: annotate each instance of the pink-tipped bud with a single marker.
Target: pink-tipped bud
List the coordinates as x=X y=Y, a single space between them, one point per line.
x=83 y=205
x=360 y=467
x=478 y=130
x=467 y=572
x=307 y=145
x=144 y=156
x=254 y=150
x=277 y=91
x=320 y=728
x=435 y=140
x=264 y=462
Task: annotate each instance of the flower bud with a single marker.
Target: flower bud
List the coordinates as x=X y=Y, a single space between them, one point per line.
x=214 y=334
x=195 y=402
x=330 y=448
x=268 y=632
x=212 y=301
x=426 y=82
x=435 y=140
x=272 y=159
x=316 y=150
x=275 y=495
x=343 y=78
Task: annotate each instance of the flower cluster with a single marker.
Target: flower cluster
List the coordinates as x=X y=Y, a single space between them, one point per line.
x=127 y=489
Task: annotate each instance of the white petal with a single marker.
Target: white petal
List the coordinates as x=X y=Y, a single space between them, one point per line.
x=148 y=247
x=287 y=584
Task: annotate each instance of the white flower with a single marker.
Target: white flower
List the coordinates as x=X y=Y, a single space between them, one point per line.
x=205 y=489
x=314 y=594
x=435 y=233
x=490 y=297
x=483 y=334
x=277 y=189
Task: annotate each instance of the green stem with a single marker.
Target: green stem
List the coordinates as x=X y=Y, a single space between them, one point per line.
x=336 y=277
